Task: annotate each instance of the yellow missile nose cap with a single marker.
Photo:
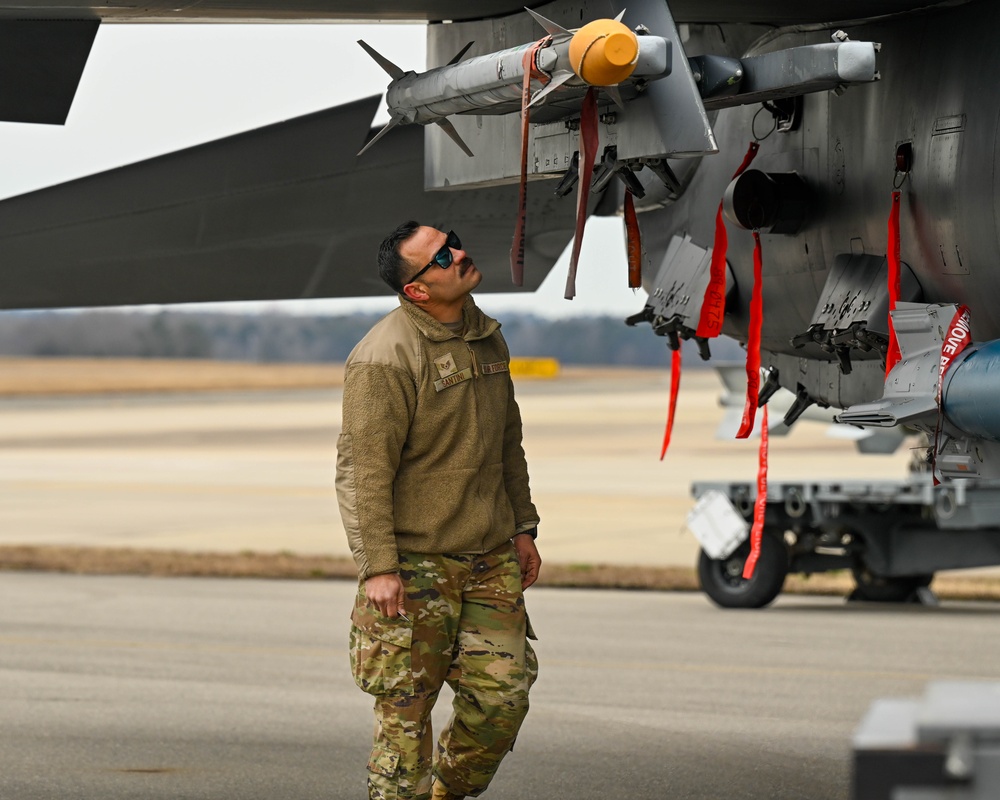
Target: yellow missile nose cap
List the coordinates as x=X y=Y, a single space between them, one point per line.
x=603 y=52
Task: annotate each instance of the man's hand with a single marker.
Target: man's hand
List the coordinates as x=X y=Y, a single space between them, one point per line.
x=527 y=554
x=385 y=592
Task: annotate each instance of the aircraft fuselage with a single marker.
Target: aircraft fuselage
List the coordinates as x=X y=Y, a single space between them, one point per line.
x=936 y=94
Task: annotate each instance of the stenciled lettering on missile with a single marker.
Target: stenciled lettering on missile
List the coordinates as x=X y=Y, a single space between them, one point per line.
x=493 y=369
x=452 y=380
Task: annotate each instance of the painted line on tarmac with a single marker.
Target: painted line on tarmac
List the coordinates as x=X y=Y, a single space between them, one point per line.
x=649 y=666
x=173 y=488
x=722 y=669
x=188 y=647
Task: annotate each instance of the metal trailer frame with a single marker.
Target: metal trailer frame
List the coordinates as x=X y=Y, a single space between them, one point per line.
x=893 y=535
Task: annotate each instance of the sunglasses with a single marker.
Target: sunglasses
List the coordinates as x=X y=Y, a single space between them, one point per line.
x=442 y=257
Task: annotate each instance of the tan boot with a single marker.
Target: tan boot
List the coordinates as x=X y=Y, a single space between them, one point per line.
x=438 y=792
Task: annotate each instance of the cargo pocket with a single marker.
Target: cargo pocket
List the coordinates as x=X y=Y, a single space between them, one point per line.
x=384 y=761
x=380 y=652
x=383 y=767
x=529 y=631
x=530 y=659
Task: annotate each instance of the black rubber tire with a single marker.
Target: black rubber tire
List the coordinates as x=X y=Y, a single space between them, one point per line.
x=873 y=588
x=722 y=579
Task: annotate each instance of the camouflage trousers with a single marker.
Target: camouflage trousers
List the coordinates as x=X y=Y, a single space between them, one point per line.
x=468 y=627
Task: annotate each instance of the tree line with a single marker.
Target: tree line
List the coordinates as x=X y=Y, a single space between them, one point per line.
x=271 y=337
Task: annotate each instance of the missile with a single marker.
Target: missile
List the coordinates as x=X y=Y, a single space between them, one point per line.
x=943 y=385
x=603 y=53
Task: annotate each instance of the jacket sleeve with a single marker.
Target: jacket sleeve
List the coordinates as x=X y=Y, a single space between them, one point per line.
x=379 y=402
x=515 y=468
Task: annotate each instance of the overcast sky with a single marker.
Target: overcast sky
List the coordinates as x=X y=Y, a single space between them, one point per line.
x=151 y=89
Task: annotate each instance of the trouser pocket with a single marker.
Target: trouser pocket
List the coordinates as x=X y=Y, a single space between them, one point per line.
x=381 y=656
x=383 y=778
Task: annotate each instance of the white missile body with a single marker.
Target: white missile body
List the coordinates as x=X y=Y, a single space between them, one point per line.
x=493 y=83
x=482 y=83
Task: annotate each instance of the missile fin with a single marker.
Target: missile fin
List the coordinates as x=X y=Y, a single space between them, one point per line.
x=392 y=124
x=459 y=54
x=551 y=28
x=448 y=128
x=392 y=70
x=557 y=80
x=615 y=95
x=620 y=15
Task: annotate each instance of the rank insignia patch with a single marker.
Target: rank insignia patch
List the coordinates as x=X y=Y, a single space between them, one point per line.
x=446 y=365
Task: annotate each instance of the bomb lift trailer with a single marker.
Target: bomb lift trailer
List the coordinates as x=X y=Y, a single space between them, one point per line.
x=892 y=535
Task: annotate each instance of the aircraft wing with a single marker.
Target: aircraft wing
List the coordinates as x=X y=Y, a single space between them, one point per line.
x=768 y=12
x=44 y=45
x=285 y=211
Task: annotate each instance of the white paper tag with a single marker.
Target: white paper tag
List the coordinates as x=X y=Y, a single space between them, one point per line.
x=717 y=525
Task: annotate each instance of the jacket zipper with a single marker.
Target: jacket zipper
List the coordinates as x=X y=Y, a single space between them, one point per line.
x=479 y=489
x=475 y=366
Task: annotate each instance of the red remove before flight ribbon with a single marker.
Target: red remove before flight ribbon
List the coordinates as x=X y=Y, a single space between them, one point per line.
x=633 y=243
x=517 y=246
x=713 y=306
x=892 y=257
x=753 y=342
x=588 y=152
x=760 y=504
x=675 y=385
x=958 y=337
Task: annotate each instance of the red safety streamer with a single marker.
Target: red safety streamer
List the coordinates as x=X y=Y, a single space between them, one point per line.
x=760 y=505
x=675 y=386
x=633 y=243
x=517 y=246
x=588 y=152
x=958 y=337
x=713 y=305
x=893 y=355
x=753 y=342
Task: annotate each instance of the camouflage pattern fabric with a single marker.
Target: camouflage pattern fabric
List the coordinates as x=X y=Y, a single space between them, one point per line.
x=468 y=627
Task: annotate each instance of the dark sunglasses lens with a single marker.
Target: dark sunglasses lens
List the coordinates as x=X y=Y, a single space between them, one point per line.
x=443 y=257
x=453 y=241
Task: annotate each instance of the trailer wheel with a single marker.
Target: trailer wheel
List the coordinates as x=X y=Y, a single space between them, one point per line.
x=722 y=579
x=881 y=589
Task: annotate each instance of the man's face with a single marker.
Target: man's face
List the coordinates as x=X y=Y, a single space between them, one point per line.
x=443 y=284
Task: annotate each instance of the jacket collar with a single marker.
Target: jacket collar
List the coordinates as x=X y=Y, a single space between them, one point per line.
x=477 y=324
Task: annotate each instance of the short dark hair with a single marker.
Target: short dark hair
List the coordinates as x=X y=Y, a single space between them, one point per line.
x=391 y=264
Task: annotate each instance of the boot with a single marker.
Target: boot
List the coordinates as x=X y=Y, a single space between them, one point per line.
x=438 y=792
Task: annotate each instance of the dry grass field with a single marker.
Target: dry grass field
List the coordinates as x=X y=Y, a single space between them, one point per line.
x=33 y=377
x=21 y=377
x=288 y=566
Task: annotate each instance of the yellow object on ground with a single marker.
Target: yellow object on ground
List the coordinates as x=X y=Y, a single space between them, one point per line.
x=534 y=368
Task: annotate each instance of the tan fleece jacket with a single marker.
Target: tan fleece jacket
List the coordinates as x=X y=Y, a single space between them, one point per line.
x=430 y=459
